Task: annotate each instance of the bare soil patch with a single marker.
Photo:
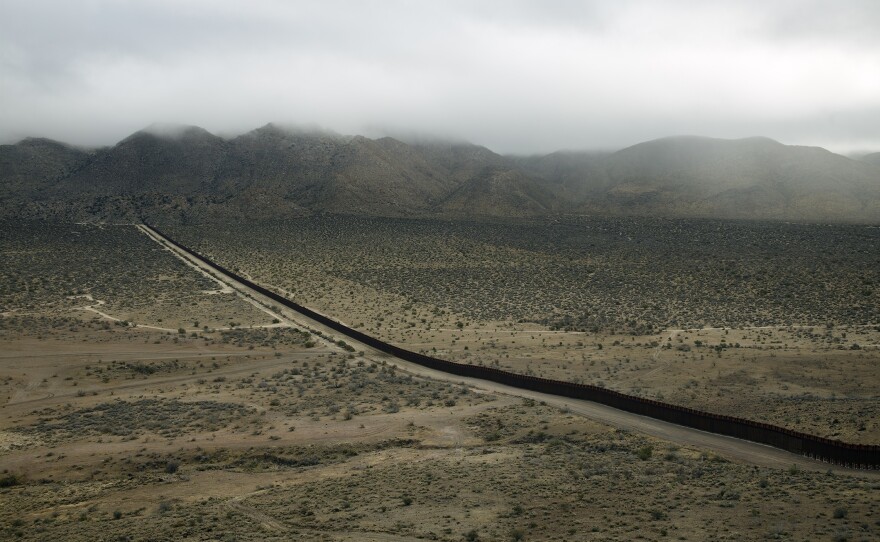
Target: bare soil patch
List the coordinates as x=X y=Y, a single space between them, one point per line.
x=134 y=433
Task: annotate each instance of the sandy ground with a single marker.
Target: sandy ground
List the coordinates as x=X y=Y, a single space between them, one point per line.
x=741 y=450
x=260 y=440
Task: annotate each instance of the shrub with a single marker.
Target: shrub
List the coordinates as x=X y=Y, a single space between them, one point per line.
x=658 y=515
x=9 y=480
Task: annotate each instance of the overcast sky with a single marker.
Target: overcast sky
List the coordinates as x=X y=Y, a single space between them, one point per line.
x=516 y=76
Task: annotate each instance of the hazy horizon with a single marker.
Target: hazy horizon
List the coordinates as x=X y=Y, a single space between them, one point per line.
x=169 y=129
x=517 y=77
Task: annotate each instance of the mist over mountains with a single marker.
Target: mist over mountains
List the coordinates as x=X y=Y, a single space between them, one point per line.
x=184 y=173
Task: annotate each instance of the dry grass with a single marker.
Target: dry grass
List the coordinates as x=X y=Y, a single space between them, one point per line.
x=624 y=303
x=132 y=433
x=75 y=270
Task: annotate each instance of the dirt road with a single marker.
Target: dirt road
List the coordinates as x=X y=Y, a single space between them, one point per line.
x=727 y=447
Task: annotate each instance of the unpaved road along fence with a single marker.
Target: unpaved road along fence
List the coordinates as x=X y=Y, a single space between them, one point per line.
x=863 y=456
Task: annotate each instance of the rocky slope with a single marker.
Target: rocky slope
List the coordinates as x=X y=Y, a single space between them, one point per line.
x=184 y=173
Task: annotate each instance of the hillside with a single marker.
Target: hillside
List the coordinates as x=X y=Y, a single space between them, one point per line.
x=745 y=178
x=873 y=158
x=184 y=173
x=35 y=164
x=182 y=162
x=689 y=176
x=328 y=172
x=571 y=175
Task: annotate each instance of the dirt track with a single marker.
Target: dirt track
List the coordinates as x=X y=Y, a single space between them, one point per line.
x=728 y=447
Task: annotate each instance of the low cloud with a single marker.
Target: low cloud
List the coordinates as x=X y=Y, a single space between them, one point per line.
x=519 y=77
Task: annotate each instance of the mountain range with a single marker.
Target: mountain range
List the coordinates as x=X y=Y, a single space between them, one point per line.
x=184 y=173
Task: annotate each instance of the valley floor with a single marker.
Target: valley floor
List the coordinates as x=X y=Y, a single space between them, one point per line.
x=775 y=322
x=263 y=430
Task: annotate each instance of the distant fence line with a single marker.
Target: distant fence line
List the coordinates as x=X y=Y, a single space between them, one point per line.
x=863 y=456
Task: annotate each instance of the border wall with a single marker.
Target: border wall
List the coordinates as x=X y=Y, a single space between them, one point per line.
x=863 y=456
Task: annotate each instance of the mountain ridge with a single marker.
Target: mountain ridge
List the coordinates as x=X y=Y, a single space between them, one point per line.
x=184 y=173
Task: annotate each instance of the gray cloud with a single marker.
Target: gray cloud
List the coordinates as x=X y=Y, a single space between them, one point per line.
x=517 y=76
x=854 y=21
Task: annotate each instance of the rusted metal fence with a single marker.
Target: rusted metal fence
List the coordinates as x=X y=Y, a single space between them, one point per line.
x=832 y=451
